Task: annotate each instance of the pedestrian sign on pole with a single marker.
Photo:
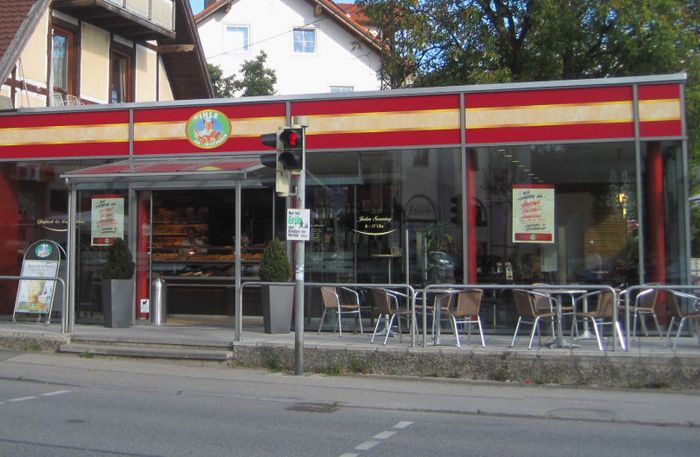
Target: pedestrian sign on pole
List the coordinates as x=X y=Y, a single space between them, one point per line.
x=298 y=224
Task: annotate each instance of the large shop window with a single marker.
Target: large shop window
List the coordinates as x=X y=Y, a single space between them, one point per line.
x=33 y=207
x=557 y=213
x=364 y=206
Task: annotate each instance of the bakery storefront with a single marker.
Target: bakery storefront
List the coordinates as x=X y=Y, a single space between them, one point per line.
x=560 y=182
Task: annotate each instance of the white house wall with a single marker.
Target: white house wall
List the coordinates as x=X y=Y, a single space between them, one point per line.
x=339 y=60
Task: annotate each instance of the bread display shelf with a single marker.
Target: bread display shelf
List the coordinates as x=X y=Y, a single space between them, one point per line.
x=179 y=229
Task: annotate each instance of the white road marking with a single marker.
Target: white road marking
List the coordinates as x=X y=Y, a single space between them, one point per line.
x=58 y=392
x=403 y=424
x=23 y=398
x=386 y=434
x=367 y=445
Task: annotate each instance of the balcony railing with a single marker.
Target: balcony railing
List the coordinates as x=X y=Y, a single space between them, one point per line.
x=134 y=19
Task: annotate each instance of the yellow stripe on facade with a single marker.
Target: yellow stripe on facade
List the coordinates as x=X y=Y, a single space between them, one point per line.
x=544 y=115
x=65 y=134
x=240 y=128
x=659 y=110
x=447 y=119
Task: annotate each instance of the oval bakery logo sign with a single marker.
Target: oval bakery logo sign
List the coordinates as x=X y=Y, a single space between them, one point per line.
x=208 y=129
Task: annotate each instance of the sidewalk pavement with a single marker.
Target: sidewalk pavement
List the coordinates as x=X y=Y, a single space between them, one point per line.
x=649 y=362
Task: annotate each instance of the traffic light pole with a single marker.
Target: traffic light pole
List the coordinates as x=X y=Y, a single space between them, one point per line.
x=299 y=283
x=299 y=271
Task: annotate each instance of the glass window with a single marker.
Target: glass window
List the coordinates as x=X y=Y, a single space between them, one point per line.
x=304 y=40
x=33 y=207
x=364 y=206
x=237 y=38
x=590 y=232
x=121 y=78
x=63 y=71
x=664 y=213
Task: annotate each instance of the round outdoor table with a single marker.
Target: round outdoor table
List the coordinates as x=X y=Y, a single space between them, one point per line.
x=559 y=332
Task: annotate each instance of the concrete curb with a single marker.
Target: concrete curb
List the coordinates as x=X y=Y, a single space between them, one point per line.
x=618 y=370
x=679 y=373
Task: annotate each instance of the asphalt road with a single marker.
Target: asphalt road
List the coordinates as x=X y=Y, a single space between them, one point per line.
x=69 y=406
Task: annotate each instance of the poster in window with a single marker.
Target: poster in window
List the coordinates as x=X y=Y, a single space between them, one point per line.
x=107 y=219
x=533 y=213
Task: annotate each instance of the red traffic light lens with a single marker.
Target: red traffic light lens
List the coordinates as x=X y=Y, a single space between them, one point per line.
x=291 y=139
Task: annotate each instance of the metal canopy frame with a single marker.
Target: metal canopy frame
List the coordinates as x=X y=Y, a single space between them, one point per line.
x=159 y=173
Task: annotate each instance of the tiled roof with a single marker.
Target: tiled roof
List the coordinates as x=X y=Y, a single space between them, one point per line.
x=354 y=12
x=17 y=20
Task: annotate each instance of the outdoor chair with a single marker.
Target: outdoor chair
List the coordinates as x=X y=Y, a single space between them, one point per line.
x=531 y=312
x=387 y=305
x=466 y=311
x=677 y=312
x=644 y=305
x=331 y=301
x=604 y=310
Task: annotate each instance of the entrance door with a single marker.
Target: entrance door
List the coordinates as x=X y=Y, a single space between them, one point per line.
x=192 y=246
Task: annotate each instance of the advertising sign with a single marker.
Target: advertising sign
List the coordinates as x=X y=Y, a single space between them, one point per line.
x=533 y=213
x=374 y=224
x=298 y=224
x=208 y=129
x=36 y=296
x=107 y=219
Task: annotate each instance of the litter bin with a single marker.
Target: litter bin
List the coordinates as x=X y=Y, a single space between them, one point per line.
x=159 y=301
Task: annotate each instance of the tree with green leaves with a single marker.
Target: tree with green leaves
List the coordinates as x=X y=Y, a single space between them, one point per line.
x=256 y=79
x=453 y=42
x=223 y=85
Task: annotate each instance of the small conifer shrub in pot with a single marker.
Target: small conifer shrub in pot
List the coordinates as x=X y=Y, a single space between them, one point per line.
x=118 y=285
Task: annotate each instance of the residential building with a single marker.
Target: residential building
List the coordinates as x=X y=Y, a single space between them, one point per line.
x=314 y=46
x=57 y=52
x=77 y=52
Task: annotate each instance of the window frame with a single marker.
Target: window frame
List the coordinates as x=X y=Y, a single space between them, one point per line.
x=313 y=30
x=72 y=34
x=122 y=52
x=229 y=47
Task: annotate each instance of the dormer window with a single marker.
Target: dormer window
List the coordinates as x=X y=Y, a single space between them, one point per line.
x=304 y=40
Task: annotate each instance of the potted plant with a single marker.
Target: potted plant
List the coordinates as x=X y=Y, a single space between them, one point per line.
x=118 y=285
x=276 y=300
x=437 y=262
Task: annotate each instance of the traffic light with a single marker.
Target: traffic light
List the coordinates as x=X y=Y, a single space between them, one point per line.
x=291 y=148
x=456 y=208
x=289 y=142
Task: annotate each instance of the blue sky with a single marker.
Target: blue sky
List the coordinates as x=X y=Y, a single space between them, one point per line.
x=198 y=5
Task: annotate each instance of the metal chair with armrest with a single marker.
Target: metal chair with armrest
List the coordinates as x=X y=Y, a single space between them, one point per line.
x=645 y=304
x=331 y=301
x=677 y=312
x=466 y=311
x=605 y=309
x=529 y=312
x=387 y=305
